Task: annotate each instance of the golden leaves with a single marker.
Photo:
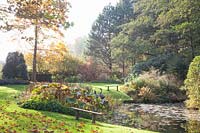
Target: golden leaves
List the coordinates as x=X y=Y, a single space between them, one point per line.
x=49 y=13
x=50 y=59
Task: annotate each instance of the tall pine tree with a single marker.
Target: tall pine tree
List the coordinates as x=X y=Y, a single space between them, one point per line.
x=100 y=36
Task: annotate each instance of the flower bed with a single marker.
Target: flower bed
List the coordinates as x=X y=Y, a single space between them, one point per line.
x=57 y=97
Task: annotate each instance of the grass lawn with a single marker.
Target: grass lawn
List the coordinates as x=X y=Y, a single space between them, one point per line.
x=113 y=90
x=14 y=119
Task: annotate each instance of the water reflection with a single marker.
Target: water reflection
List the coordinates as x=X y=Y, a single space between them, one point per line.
x=166 y=118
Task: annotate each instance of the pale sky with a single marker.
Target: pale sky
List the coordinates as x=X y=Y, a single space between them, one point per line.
x=83 y=13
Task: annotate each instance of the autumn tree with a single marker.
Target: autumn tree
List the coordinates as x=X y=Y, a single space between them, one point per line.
x=55 y=60
x=49 y=14
x=41 y=66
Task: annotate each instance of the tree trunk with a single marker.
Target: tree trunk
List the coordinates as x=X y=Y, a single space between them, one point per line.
x=35 y=55
x=123 y=68
x=110 y=53
x=110 y=67
x=123 y=62
x=192 y=48
x=133 y=60
x=191 y=40
x=191 y=45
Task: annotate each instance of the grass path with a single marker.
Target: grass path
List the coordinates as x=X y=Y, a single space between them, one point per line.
x=14 y=119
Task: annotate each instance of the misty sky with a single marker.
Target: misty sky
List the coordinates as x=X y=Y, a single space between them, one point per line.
x=83 y=13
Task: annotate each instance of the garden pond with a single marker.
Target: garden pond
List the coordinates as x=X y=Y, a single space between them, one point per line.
x=166 y=118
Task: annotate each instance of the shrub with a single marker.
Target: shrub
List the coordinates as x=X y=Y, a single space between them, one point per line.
x=42 y=77
x=53 y=106
x=146 y=95
x=67 y=78
x=192 y=84
x=154 y=87
x=72 y=95
x=13 y=82
x=73 y=79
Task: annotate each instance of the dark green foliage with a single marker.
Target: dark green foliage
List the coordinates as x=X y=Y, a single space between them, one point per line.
x=158 y=62
x=192 y=84
x=13 y=82
x=42 y=77
x=52 y=106
x=172 y=64
x=106 y=27
x=100 y=36
x=147 y=33
x=159 y=29
x=177 y=66
x=15 y=67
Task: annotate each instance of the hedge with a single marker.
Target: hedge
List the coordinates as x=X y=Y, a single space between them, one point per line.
x=13 y=82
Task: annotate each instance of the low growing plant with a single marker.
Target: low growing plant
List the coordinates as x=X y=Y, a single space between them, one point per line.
x=154 y=87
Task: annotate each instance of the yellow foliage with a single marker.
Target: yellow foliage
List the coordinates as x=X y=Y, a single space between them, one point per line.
x=48 y=13
x=147 y=94
x=54 y=59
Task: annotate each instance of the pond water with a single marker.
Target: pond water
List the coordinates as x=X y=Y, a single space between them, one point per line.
x=166 y=118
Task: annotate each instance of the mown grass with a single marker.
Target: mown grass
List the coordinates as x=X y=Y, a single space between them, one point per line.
x=113 y=93
x=14 y=119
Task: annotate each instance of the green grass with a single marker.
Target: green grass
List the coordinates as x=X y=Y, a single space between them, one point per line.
x=10 y=91
x=13 y=118
x=113 y=90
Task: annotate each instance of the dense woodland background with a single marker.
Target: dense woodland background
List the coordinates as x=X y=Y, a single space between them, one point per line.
x=134 y=36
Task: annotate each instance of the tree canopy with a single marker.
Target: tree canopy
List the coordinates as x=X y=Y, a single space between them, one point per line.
x=106 y=27
x=145 y=29
x=50 y=14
